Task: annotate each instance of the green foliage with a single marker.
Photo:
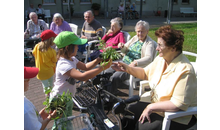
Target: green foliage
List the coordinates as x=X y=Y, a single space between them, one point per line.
x=108 y=52
x=57 y=103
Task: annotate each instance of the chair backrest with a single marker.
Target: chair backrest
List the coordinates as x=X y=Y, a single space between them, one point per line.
x=104 y=30
x=47 y=25
x=155 y=45
x=193 y=63
x=47 y=12
x=127 y=36
x=74 y=27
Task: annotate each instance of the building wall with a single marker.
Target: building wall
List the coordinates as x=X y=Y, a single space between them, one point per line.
x=149 y=7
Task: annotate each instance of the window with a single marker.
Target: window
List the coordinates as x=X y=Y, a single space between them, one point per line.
x=185 y=1
x=85 y=1
x=49 y=2
x=66 y=1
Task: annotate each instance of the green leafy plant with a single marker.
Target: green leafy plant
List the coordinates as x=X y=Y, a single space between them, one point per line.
x=108 y=52
x=57 y=103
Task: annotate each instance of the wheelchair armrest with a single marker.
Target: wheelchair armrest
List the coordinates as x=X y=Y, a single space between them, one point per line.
x=91 y=42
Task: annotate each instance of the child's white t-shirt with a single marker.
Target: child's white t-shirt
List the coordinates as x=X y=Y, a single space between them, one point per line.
x=32 y=118
x=60 y=84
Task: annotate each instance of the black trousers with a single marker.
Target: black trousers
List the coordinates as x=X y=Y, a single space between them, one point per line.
x=156 y=120
x=117 y=79
x=41 y=16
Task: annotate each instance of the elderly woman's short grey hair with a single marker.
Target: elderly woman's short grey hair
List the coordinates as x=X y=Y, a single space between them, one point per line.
x=58 y=15
x=119 y=21
x=31 y=14
x=142 y=23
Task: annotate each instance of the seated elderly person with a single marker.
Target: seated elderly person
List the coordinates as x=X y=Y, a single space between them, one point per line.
x=58 y=25
x=35 y=25
x=34 y=29
x=173 y=84
x=91 y=30
x=113 y=37
x=139 y=51
x=134 y=12
x=40 y=12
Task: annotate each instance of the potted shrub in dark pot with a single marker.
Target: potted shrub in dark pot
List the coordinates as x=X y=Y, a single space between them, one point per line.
x=96 y=7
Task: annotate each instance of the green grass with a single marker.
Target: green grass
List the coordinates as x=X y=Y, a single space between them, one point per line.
x=190 y=37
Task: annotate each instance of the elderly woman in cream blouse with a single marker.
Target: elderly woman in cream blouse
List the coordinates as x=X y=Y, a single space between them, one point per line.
x=172 y=81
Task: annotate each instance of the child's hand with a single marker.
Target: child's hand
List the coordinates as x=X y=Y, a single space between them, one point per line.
x=99 y=59
x=107 y=64
x=45 y=115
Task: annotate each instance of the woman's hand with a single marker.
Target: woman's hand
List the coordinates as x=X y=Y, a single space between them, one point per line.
x=109 y=32
x=146 y=114
x=120 y=45
x=120 y=66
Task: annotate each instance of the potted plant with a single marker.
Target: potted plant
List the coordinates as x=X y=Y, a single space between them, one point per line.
x=96 y=7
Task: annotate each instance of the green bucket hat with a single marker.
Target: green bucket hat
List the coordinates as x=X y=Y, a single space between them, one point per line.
x=66 y=38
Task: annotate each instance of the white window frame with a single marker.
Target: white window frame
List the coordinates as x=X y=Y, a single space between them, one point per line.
x=54 y=3
x=71 y=2
x=86 y=2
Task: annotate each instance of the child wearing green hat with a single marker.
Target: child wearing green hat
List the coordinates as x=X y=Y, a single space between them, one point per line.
x=67 y=65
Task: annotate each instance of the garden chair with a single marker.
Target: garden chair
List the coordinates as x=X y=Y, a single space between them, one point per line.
x=47 y=15
x=127 y=36
x=74 y=28
x=172 y=115
x=133 y=80
x=47 y=25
